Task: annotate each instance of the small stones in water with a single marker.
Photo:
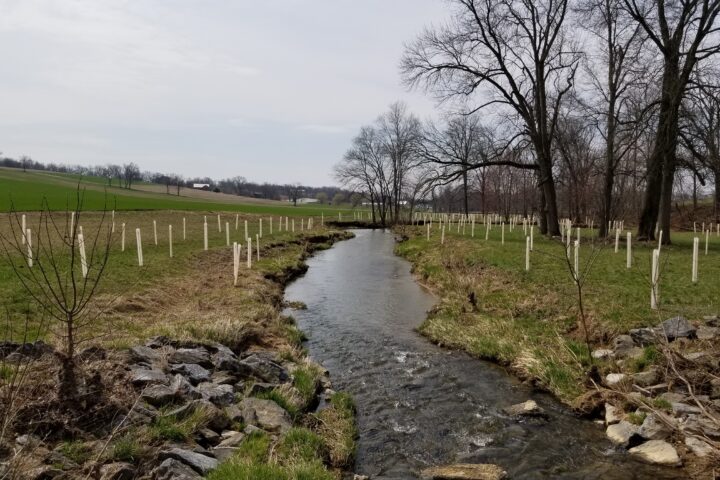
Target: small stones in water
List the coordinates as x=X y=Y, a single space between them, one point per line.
x=657 y=452
x=464 y=471
x=529 y=408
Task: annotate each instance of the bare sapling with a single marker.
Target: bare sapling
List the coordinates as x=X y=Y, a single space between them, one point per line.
x=68 y=267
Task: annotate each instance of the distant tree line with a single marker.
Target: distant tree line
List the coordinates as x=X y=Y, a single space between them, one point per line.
x=124 y=176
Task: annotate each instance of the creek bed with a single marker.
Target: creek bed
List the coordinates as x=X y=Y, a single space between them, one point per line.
x=420 y=405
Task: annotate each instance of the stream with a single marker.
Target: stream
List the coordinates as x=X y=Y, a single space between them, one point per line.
x=420 y=405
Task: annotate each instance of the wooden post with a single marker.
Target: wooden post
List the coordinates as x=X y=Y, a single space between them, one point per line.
x=246 y=230
x=237 y=221
x=83 y=257
x=219 y=225
x=257 y=245
x=28 y=235
x=205 y=235
x=24 y=228
x=528 y=248
x=302 y=224
x=227 y=234
x=696 y=252
x=270 y=225
x=502 y=226
x=442 y=235
x=112 y=230
x=472 y=228
x=654 y=277
x=72 y=224
x=184 y=236
x=287 y=222
x=155 y=231
x=293 y=225
x=122 y=238
x=629 y=250
x=170 y=241
x=138 y=239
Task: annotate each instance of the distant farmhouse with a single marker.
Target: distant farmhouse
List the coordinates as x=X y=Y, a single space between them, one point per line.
x=307 y=200
x=201 y=186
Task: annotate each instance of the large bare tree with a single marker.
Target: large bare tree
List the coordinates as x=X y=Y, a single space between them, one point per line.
x=516 y=56
x=684 y=33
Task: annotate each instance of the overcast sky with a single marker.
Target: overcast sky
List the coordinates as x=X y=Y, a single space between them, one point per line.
x=272 y=91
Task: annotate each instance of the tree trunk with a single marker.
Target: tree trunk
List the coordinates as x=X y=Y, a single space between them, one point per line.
x=465 y=192
x=717 y=195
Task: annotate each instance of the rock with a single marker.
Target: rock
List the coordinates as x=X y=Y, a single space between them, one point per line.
x=712 y=321
x=6 y=348
x=653 y=429
x=143 y=376
x=266 y=369
x=613 y=379
x=646 y=378
x=266 y=414
x=699 y=425
x=224 y=453
x=199 y=356
x=603 y=354
x=58 y=460
x=698 y=447
x=182 y=388
x=672 y=397
x=46 y=472
x=261 y=387
x=224 y=378
x=715 y=388
x=220 y=395
x=528 y=408
x=158 y=395
x=192 y=371
x=202 y=464
x=657 y=452
x=622 y=433
x=612 y=414
x=210 y=437
x=233 y=440
x=117 y=471
x=140 y=414
x=623 y=343
x=707 y=333
x=464 y=472
x=677 y=327
x=234 y=413
x=680 y=408
x=644 y=336
x=144 y=354
x=172 y=469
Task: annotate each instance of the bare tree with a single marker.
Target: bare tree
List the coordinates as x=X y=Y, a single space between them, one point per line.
x=684 y=33
x=294 y=192
x=67 y=269
x=131 y=172
x=516 y=53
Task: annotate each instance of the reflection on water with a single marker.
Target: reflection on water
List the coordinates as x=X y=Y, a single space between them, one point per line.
x=420 y=405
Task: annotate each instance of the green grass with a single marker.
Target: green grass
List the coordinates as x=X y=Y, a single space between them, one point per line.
x=171 y=428
x=26 y=190
x=338 y=429
x=301 y=445
x=282 y=399
x=529 y=320
x=126 y=449
x=76 y=451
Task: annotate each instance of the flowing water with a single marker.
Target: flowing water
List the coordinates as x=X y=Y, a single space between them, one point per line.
x=420 y=405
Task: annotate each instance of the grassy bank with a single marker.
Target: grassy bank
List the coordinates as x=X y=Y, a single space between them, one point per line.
x=492 y=308
x=191 y=298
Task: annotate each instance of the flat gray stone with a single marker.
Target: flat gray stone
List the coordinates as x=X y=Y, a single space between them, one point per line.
x=266 y=414
x=613 y=379
x=646 y=378
x=198 y=356
x=145 y=354
x=612 y=414
x=658 y=452
x=677 y=327
x=221 y=395
x=142 y=376
x=171 y=469
x=707 y=333
x=528 y=408
x=192 y=371
x=158 y=395
x=266 y=369
x=202 y=464
x=603 y=354
x=654 y=429
x=698 y=446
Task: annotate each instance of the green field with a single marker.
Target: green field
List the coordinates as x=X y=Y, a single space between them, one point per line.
x=25 y=191
x=491 y=307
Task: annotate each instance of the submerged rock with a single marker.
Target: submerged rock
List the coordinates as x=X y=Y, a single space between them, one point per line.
x=658 y=452
x=464 y=471
x=529 y=408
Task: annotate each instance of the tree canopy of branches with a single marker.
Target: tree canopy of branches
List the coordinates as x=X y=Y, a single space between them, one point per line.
x=515 y=57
